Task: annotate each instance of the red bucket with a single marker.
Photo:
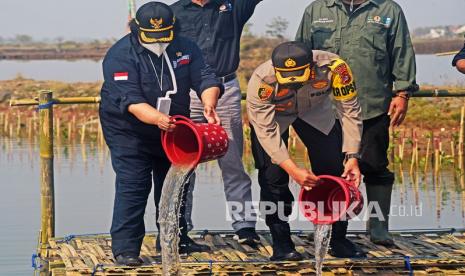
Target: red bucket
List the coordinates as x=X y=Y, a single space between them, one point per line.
x=190 y=143
x=331 y=200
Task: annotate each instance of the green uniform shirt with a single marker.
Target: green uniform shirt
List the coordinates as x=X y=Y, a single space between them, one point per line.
x=374 y=40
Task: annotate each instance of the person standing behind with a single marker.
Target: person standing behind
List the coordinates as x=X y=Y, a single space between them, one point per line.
x=137 y=70
x=459 y=61
x=372 y=36
x=216 y=26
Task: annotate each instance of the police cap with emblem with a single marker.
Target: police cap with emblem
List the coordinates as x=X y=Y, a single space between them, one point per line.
x=155 y=22
x=292 y=62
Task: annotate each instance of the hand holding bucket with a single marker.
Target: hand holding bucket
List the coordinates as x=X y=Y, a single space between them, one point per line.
x=334 y=198
x=190 y=144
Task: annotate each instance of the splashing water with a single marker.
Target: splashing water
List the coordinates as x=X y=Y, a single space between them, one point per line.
x=321 y=239
x=170 y=205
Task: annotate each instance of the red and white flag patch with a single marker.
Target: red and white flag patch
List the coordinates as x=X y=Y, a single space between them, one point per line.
x=184 y=60
x=121 y=76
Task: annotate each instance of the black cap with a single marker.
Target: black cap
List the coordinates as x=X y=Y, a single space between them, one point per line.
x=155 y=21
x=292 y=61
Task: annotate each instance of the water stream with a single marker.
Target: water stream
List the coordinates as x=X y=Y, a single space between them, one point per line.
x=170 y=204
x=321 y=239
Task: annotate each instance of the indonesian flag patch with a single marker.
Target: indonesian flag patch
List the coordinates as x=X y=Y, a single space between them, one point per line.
x=121 y=76
x=184 y=60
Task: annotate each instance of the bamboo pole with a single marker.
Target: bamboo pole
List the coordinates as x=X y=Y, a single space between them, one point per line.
x=70 y=100
x=47 y=193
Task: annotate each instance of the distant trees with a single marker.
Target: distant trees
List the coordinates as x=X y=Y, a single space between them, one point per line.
x=277 y=27
x=23 y=39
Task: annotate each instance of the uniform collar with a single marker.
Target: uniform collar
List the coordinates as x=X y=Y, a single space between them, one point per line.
x=331 y=3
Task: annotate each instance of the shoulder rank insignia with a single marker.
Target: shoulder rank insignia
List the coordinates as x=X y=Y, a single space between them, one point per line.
x=265 y=92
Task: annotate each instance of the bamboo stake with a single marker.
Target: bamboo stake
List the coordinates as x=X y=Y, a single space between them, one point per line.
x=428 y=144
x=29 y=129
x=18 y=126
x=47 y=197
x=436 y=158
x=461 y=138
x=5 y=125
x=69 y=131
x=102 y=138
x=83 y=133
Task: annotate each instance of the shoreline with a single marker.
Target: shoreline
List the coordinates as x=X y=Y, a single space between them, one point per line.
x=98 y=51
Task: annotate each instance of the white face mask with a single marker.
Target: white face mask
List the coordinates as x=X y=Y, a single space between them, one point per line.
x=156 y=48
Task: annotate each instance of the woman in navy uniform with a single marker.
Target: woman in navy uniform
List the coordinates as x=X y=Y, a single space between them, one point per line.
x=138 y=69
x=459 y=61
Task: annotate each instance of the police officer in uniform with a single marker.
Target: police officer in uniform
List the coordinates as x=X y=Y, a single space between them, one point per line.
x=299 y=88
x=459 y=61
x=216 y=26
x=138 y=69
x=372 y=36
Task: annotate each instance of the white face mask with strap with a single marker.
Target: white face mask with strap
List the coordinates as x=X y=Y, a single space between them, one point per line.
x=156 y=48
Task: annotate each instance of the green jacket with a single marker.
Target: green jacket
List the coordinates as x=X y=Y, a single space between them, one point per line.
x=374 y=41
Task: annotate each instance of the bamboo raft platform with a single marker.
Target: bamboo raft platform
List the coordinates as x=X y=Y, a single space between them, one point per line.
x=440 y=252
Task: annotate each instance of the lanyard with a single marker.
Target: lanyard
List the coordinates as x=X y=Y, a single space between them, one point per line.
x=159 y=78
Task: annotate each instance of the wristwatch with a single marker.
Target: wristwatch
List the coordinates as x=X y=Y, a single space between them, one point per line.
x=351 y=155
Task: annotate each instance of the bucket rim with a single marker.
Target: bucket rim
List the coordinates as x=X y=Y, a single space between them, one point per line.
x=191 y=125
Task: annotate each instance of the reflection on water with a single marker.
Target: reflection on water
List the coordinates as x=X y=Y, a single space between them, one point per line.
x=84 y=198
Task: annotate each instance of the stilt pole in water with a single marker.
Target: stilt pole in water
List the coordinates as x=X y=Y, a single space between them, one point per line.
x=47 y=190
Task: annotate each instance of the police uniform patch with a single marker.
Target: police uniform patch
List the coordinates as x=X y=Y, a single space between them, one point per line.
x=343 y=72
x=265 y=92
x=282 y=92
x=320 y=84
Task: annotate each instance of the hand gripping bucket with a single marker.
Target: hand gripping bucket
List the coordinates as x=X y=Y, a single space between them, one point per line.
x=191 y=143
x=333 y=199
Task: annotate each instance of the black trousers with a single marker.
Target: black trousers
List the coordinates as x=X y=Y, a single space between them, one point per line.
x=326 y=157
x=135 y=170
x=374 y=160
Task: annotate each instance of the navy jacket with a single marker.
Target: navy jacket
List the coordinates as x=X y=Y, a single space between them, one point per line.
x=459 y=56
x=129 y=78
x=216 y=28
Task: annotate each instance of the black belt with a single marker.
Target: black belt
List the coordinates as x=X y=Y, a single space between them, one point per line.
x=228 y=78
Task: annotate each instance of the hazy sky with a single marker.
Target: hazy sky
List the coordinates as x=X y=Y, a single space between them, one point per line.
x=106 y=18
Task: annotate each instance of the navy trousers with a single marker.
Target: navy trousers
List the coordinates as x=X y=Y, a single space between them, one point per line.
x=135 y=169
x=325 y=152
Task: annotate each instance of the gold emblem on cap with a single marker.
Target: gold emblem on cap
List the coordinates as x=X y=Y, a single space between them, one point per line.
x=290 y=63
x=156 y=23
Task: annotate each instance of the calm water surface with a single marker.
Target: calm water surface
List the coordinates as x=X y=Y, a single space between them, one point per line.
x=84 y=197
x=84 y=179
x=432 y=70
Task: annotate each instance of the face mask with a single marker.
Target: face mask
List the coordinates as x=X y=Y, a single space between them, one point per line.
x=156 y=48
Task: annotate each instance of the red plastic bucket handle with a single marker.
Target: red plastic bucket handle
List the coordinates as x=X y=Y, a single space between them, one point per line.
x=176 y=118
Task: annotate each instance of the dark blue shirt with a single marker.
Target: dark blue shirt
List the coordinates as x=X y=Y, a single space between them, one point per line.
x=129 y=78
x=216 y=28
x=459 y=56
